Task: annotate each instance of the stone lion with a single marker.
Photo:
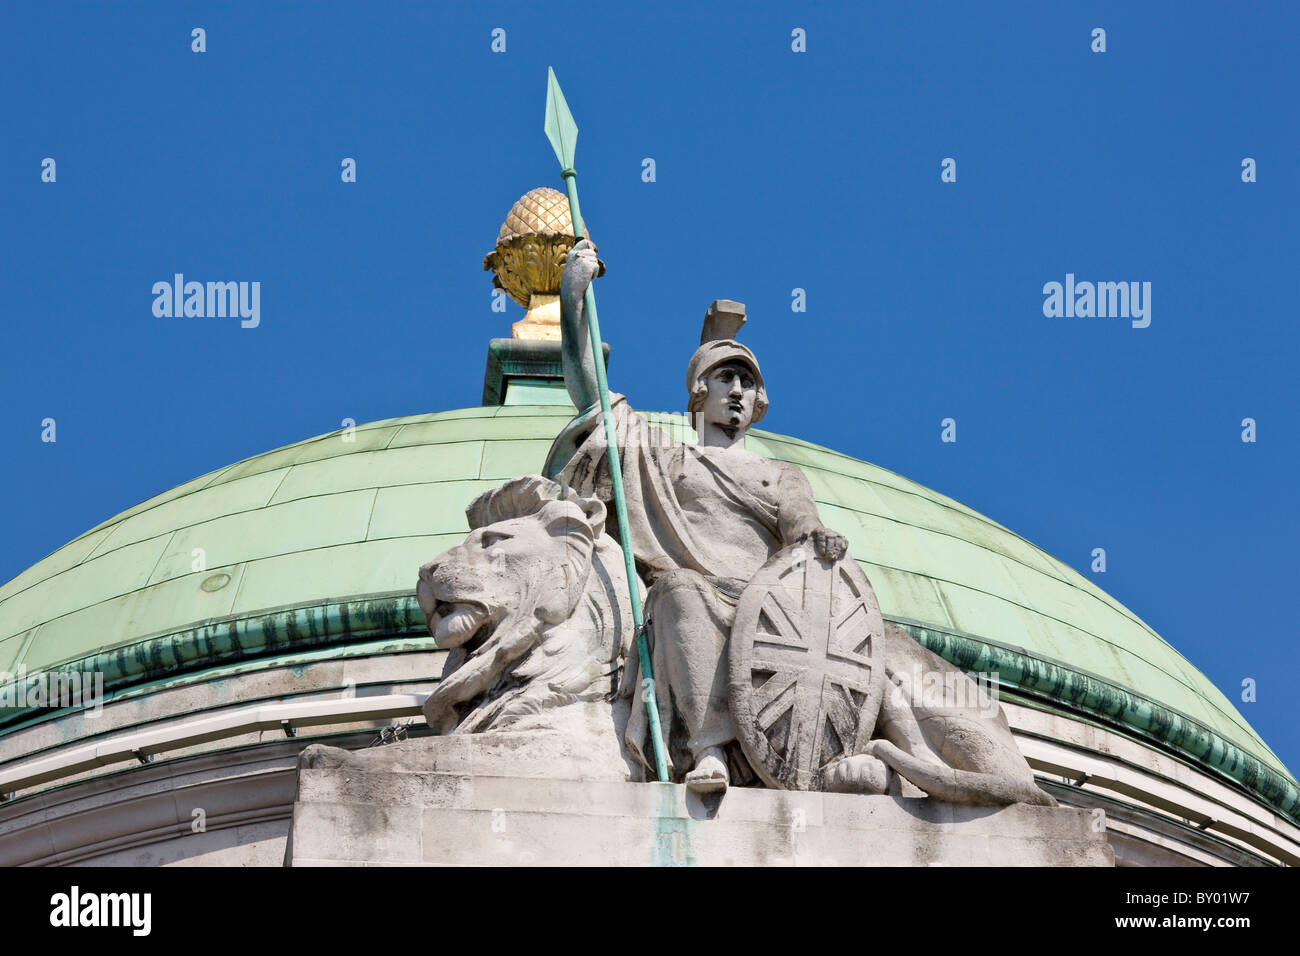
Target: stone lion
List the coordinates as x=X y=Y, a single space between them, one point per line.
x=533 y=608
x=939 y=731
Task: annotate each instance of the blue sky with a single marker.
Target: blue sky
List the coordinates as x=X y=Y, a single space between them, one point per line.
x=775 y=170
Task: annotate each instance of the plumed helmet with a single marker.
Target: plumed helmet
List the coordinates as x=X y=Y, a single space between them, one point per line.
x=717 y=347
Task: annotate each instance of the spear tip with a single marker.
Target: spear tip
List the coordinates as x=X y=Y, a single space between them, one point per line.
x=560 y=128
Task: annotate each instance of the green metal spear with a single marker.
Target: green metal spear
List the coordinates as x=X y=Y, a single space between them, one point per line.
x=562 y=131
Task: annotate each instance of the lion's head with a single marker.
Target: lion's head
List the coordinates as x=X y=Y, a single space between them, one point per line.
x=532 y=606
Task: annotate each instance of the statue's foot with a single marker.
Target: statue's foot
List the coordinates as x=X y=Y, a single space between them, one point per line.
x=710 y=773
x=860 y=773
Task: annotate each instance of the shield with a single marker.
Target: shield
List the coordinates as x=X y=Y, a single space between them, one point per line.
x=806 y=674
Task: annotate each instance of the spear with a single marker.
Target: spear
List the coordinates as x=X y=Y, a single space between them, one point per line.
x=562 y=131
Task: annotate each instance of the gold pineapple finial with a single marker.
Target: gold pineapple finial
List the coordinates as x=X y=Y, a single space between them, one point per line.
x=528 y=261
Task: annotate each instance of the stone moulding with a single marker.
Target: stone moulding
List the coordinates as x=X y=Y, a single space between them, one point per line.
x=198 y=649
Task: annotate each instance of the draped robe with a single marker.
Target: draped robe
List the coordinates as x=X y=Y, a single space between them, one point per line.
x=701 y=524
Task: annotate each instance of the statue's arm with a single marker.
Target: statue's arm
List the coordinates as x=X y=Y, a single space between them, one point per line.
x=579 y=360
x=580 y=269
x=798 y=511
x=798 y=519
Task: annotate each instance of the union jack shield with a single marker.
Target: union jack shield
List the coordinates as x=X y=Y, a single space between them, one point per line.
x=806 y=676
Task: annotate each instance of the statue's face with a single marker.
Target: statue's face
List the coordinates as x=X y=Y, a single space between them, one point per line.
x=731 y=396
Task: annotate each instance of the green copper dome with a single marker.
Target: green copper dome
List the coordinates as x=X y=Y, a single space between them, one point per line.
x=319 y=542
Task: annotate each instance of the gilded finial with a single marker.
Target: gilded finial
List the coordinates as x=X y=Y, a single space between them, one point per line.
x=528 y=261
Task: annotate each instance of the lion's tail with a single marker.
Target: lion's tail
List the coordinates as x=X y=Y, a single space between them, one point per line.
x=961 y=786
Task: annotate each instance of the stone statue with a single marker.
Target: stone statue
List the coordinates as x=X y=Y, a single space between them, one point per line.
x=704 y=520
x=772 y=663
x=940 y=732
x=533 y=609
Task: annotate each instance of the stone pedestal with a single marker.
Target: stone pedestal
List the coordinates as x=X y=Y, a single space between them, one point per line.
x=446 y=801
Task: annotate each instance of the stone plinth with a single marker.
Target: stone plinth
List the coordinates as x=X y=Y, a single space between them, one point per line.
x=449 y=804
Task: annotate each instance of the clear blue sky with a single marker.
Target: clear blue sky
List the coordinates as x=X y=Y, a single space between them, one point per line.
x=775 y=170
